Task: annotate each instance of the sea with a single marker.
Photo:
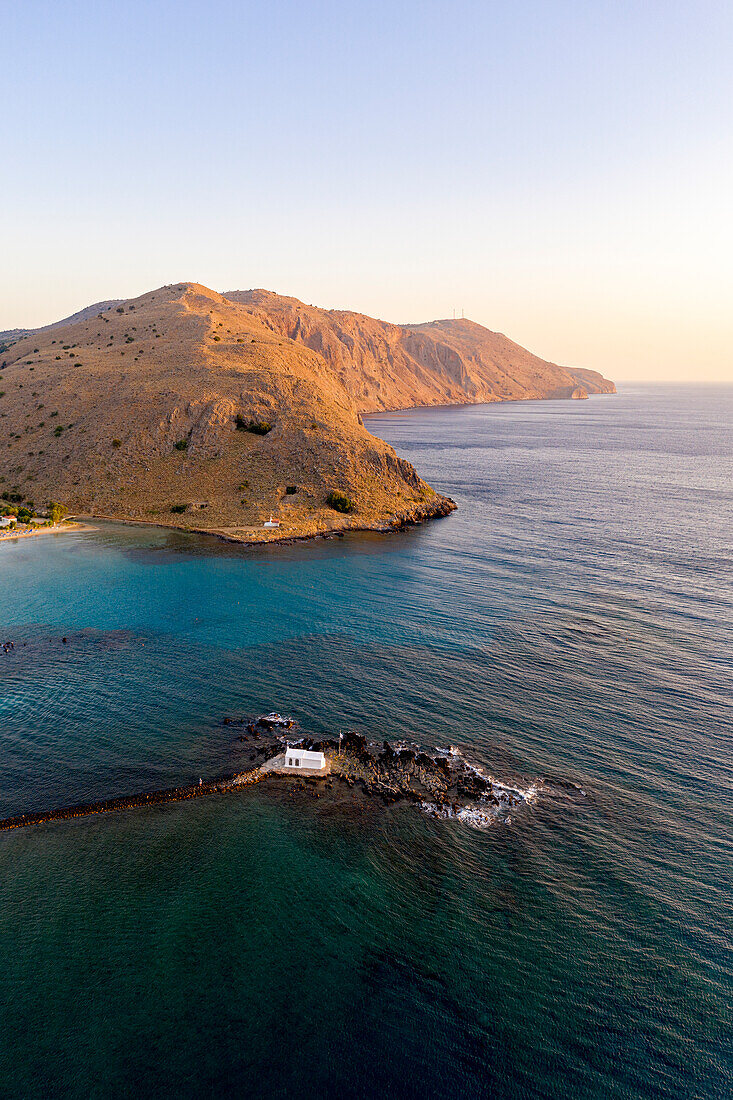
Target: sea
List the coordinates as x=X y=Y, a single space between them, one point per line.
x=568 y=630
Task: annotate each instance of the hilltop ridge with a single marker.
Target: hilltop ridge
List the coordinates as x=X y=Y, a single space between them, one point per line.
x=212 y=411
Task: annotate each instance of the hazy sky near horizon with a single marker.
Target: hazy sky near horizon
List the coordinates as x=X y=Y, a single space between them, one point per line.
x=560 y=171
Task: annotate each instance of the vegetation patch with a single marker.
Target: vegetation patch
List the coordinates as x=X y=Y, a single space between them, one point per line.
x=339 y=501
x=257 y=427
x=181 y=445
x=178 y=509
x=57 y=512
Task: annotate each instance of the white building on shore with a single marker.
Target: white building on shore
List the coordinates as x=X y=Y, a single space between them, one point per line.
x=302 y=760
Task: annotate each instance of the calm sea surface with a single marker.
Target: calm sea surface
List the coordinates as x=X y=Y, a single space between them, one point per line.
x=570 y=625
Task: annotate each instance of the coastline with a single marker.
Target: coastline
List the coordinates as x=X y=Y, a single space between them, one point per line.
x=442 y=507
x=471 y=402
x=59 y=529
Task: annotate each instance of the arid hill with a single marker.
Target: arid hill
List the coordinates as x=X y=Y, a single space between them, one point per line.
x=384 y=366
x=196 y=409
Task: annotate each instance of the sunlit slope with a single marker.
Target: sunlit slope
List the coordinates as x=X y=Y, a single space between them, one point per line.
x=385 y=366
x=140 y=409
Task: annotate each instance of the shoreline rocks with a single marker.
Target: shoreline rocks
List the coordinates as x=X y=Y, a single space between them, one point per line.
x=391 y=773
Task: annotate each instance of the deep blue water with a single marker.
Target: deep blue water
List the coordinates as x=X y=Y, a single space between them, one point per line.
x=571 y=624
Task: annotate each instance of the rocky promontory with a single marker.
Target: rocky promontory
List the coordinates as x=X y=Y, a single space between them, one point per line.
x=444 y=784
x=240 y=414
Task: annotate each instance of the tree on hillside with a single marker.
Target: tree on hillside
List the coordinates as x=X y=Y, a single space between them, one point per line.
x=57 y=512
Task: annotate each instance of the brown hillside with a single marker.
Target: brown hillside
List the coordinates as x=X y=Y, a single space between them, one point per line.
x=138 y=408
x=385 y=366
x=93 y=412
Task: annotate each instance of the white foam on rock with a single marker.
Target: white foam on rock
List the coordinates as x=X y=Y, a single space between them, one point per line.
x=484 y=815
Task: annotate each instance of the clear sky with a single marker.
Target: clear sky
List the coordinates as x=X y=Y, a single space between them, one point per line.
x=561 y=171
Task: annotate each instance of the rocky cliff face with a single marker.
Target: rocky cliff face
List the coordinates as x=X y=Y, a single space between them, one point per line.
x=384 y=366
x=197 y=409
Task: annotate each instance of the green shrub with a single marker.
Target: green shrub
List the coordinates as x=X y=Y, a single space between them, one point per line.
x=56 y=512
x=116 y=442
x=339 y=501
x=290 y=489
x=257 y=427
x=178 y=508
x=181 y=445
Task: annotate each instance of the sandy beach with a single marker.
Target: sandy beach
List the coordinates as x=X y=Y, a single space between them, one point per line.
x=58 y=529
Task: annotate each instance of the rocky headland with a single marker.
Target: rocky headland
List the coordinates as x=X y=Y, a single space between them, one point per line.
x=214 y=412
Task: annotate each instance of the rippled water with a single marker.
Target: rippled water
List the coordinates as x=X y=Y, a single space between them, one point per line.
x=569 y=626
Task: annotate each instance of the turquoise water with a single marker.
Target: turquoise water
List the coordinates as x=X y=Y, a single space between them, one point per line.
x=570 y=625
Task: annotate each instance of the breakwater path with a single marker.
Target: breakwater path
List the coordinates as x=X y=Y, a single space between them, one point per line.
x=442 y=784
x=134 y=801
